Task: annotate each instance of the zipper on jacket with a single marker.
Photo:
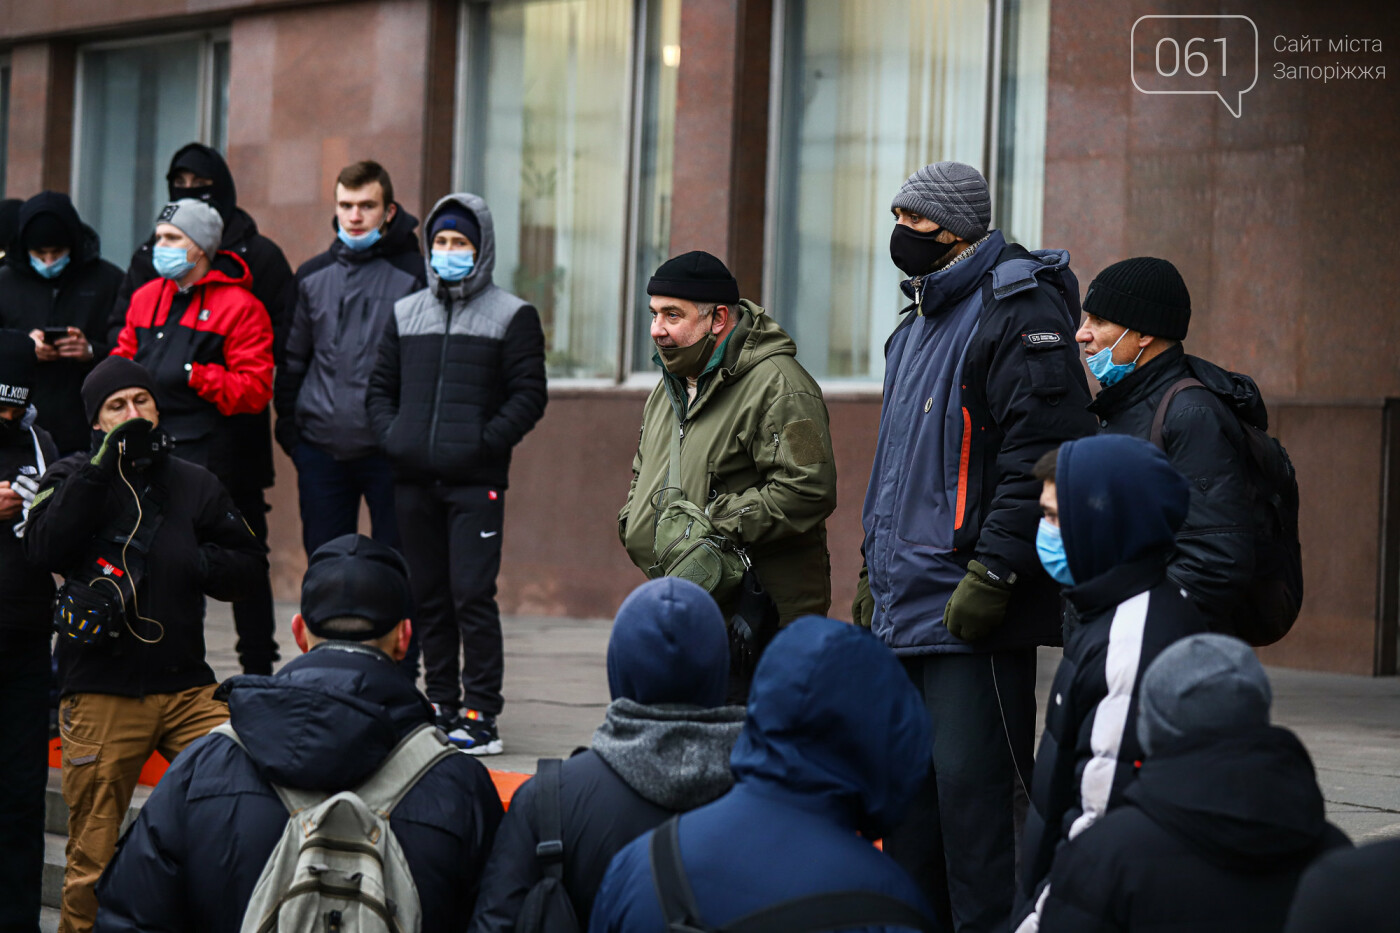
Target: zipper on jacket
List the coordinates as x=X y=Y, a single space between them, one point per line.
x=437 y=389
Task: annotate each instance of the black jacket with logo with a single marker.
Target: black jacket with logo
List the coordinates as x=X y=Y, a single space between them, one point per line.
x=1205 y=441
x=80 y=296
x=201 y=547
x=27 y=606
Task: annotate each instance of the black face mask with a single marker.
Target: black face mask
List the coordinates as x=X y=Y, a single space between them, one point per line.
x=11 y=429
x=198 y=193
x=916 y=253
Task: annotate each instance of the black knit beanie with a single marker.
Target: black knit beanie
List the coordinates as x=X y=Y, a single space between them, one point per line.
x=1143 y=294
x=112 y=375
x=695 y=276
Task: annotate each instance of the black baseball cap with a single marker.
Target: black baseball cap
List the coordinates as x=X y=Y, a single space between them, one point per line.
x=355 y=576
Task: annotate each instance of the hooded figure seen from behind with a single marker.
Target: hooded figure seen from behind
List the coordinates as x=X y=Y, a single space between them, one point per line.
x=1224 y=816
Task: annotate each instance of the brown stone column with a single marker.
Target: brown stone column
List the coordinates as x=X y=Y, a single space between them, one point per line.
x=41 y=118
x=722 y=133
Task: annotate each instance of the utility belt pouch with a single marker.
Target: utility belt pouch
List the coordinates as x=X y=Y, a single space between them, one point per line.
x=92 y=614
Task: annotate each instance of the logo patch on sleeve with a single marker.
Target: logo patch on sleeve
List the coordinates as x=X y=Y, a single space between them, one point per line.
x=1041 y=340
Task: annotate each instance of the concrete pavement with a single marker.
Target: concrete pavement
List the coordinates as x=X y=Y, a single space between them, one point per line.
x=556 y=689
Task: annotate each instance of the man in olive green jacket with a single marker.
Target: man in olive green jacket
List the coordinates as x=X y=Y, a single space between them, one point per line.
x=755 y=448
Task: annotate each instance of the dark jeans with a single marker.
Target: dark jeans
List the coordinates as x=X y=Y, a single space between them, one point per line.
x=330 y=491
x=452 y=541
x=253 y=617
x=960 y=839
x=24 y=769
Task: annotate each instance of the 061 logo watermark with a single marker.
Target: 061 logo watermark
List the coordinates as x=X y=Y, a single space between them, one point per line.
x=1209 y=54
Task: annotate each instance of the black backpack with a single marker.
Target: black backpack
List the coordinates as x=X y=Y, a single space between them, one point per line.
x=1271 y=603
x=837 y=910
x=547 y=908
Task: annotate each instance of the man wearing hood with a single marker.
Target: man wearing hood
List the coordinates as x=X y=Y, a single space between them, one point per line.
x=323 y=724
x=207 y=343
x=165 y=533
x=1136 y=314
x=344 y=298
x=26 y=627
x=981 y=379
x=1224 y=816
x=200 y=173
x=834 y=747
x=1112 y=506
x=459 y=381
x=754 y=437
x=663 y=749
x=56 y=287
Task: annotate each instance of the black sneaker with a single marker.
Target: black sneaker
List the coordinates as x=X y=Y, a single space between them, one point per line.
x=476 y=734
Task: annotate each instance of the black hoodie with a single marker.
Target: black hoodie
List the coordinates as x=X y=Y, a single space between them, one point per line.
x=272 y=285
x=79 y=296
x=1213 y=836
x=323 y=723
x=344 y=298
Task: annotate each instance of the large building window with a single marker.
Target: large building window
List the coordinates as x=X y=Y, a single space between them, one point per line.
x=138 y=102
x=870 y=91
x=550 y=125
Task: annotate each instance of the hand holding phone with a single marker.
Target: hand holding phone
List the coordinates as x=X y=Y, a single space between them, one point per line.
x=53 y=335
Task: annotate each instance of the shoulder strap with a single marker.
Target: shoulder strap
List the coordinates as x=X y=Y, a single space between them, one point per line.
x=412 y=758
x=1160 y=418
x=673 y=891
x=549 y=851
x=838 y=910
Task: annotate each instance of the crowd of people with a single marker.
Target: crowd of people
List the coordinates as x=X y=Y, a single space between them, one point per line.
x=754 y=748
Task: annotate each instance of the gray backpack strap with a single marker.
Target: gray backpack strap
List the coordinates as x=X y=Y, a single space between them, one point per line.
x=293 y=799
x=1159 y=419
x=412 y=758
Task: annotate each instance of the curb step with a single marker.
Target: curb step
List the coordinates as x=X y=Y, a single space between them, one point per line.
x=56 y=838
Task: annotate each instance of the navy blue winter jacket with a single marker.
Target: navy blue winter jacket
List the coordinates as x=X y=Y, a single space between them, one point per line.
x=1120 y=505
x=324 y=722
x=980 y=380
x=824 y=754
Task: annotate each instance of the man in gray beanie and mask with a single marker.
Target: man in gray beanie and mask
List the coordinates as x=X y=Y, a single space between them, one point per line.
x=982 y=377
x=1222 y=820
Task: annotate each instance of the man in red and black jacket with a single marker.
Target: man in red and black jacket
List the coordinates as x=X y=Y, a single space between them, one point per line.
x=205 y=339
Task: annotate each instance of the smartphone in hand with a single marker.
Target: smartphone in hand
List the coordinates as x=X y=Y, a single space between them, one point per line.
x=53 y=335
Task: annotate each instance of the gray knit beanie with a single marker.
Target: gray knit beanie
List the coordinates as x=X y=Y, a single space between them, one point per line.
x=1202 y=685
x=952 y=195
x=197 y=220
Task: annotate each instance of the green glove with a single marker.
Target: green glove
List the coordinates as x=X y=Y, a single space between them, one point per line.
x=863 y=606
x=109 y=453
x=978 y=605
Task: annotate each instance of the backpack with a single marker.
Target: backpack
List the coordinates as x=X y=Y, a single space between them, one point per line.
x=547 y=908
x=338 y=867
x=814 y=913
x=1270 y=604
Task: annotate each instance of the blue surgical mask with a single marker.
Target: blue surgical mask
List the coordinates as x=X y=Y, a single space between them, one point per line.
x=171 y=262
x=1105 y=370
x=1050 y=545
x=50 y=270
x=453 y=265
x=357 y=243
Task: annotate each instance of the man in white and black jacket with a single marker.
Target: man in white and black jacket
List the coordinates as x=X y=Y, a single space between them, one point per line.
x=25 y=613
x=130 y=511
x=1112 y=507
x=459 y=382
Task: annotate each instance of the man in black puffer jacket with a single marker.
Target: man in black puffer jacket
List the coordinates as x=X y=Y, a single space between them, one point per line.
x=459 y=382
x=26 y=627
x=324 y=723
x=200 y=172
x=1224 y=816
x=1136 y=314
x=55 y=279
x=1112 y=506
x=663 y=749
